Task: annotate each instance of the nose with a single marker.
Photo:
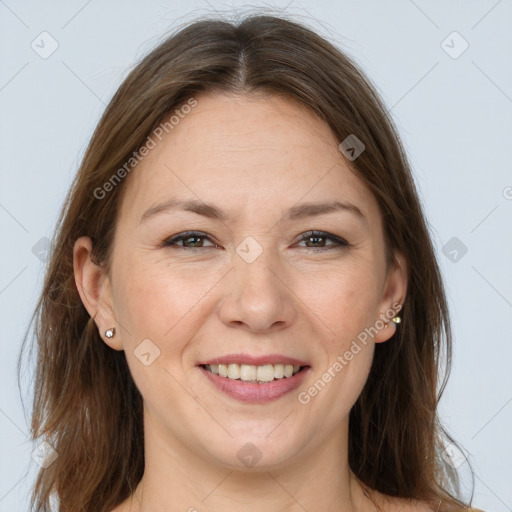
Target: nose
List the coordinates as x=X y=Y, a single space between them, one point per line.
x=257 y=297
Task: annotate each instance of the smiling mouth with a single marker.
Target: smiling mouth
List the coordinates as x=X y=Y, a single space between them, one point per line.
x=254 y=374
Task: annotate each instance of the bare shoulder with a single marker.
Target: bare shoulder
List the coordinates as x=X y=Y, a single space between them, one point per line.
x=421 y=506
x=395 y=504
x=408 y=505
x=405 y=505
x=123 y=507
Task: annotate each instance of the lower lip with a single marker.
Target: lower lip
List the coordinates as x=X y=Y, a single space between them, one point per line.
x=252 y=391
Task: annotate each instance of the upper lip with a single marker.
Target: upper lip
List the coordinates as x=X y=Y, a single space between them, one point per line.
x=254 y=360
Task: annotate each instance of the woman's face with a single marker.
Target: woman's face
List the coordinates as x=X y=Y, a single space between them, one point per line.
x=251 y=285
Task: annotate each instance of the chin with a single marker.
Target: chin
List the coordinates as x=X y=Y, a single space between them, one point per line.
x=252 y=453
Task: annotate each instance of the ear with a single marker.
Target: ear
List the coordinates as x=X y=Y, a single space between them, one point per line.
x=93 y=285
x=395 y=291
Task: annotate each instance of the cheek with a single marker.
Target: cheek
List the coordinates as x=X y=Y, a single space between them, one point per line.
x=348 y=382
x=336 y=385
x=155 y=296
x=345 y=298
x=161 y=310
x=164 y=305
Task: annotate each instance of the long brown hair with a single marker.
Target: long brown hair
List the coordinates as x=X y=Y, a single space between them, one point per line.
x=86 y=405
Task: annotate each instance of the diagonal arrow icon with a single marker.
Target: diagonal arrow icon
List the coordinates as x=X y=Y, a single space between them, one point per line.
x=147 y=352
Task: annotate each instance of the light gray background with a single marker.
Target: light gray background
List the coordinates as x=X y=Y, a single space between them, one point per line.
x=455 y=117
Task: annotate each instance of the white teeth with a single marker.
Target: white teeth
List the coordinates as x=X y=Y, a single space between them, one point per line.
x=223 y=370
x=234 y=371
x=247 y=371
x=266 y=373
x=251 y=373
x=278 y=371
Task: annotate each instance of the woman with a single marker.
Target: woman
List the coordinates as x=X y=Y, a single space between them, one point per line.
x=243 y=309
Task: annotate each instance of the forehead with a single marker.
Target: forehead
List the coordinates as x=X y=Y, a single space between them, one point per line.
x=243 y=153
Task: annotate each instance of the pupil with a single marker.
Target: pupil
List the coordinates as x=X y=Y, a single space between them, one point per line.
x=197 y=238
x=316 y=238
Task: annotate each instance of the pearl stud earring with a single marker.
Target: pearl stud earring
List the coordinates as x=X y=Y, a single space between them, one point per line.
x=110 y=333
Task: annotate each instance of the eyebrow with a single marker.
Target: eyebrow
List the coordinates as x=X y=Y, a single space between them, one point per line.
x=300 y=211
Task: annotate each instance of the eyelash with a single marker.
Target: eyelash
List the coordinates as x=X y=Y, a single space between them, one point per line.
x=338 y=242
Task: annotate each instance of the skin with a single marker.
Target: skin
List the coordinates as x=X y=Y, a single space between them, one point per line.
x=254 y=157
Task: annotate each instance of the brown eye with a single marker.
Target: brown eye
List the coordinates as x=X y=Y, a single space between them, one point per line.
x=190 y=239
x=317 y=240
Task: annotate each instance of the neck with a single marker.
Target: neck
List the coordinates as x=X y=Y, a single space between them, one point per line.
x=177 y=478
